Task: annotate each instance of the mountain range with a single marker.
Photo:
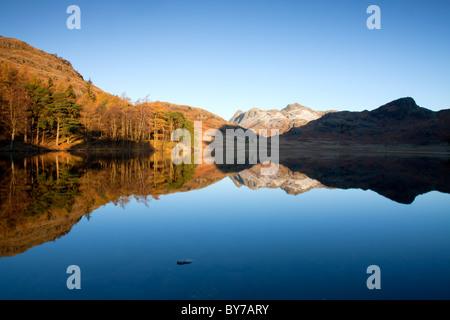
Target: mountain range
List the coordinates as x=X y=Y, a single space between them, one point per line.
x=399 y=122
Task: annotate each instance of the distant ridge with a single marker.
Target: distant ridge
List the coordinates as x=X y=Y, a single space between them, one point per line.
x=401 y=121
x=209 y=120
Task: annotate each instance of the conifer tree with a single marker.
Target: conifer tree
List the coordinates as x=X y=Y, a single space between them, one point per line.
x=64 y=114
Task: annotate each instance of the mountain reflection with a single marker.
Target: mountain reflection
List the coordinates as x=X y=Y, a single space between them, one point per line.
x=400 y=178
x=43 y=197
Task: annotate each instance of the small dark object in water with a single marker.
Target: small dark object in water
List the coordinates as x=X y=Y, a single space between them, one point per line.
x=181 y=262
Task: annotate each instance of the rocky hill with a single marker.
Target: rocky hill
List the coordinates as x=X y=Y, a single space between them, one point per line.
x=293 y=116
x=399 y=122
x=41 y=64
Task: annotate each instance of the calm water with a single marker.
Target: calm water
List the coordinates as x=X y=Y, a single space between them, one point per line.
x=308 y=233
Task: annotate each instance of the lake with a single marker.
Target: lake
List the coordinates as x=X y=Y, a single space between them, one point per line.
x=309 y=232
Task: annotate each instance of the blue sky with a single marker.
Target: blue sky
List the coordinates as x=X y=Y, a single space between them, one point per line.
x=228 y=55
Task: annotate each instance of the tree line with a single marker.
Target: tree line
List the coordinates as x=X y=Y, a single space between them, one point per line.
x=45 y=114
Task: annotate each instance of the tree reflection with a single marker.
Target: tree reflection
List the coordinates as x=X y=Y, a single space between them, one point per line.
x=42 y=197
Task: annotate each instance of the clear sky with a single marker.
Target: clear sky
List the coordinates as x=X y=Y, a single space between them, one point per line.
x=228 y=55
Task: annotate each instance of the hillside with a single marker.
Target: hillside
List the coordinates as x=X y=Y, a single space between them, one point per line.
x=399 y=122
x=43 y=65
x=209 y=120
x=46 y=105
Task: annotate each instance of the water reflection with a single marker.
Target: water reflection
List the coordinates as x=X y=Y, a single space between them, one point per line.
x=43 y=197
x=400 y=178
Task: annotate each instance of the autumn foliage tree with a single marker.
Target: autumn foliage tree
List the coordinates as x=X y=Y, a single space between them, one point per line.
x=14 y=102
